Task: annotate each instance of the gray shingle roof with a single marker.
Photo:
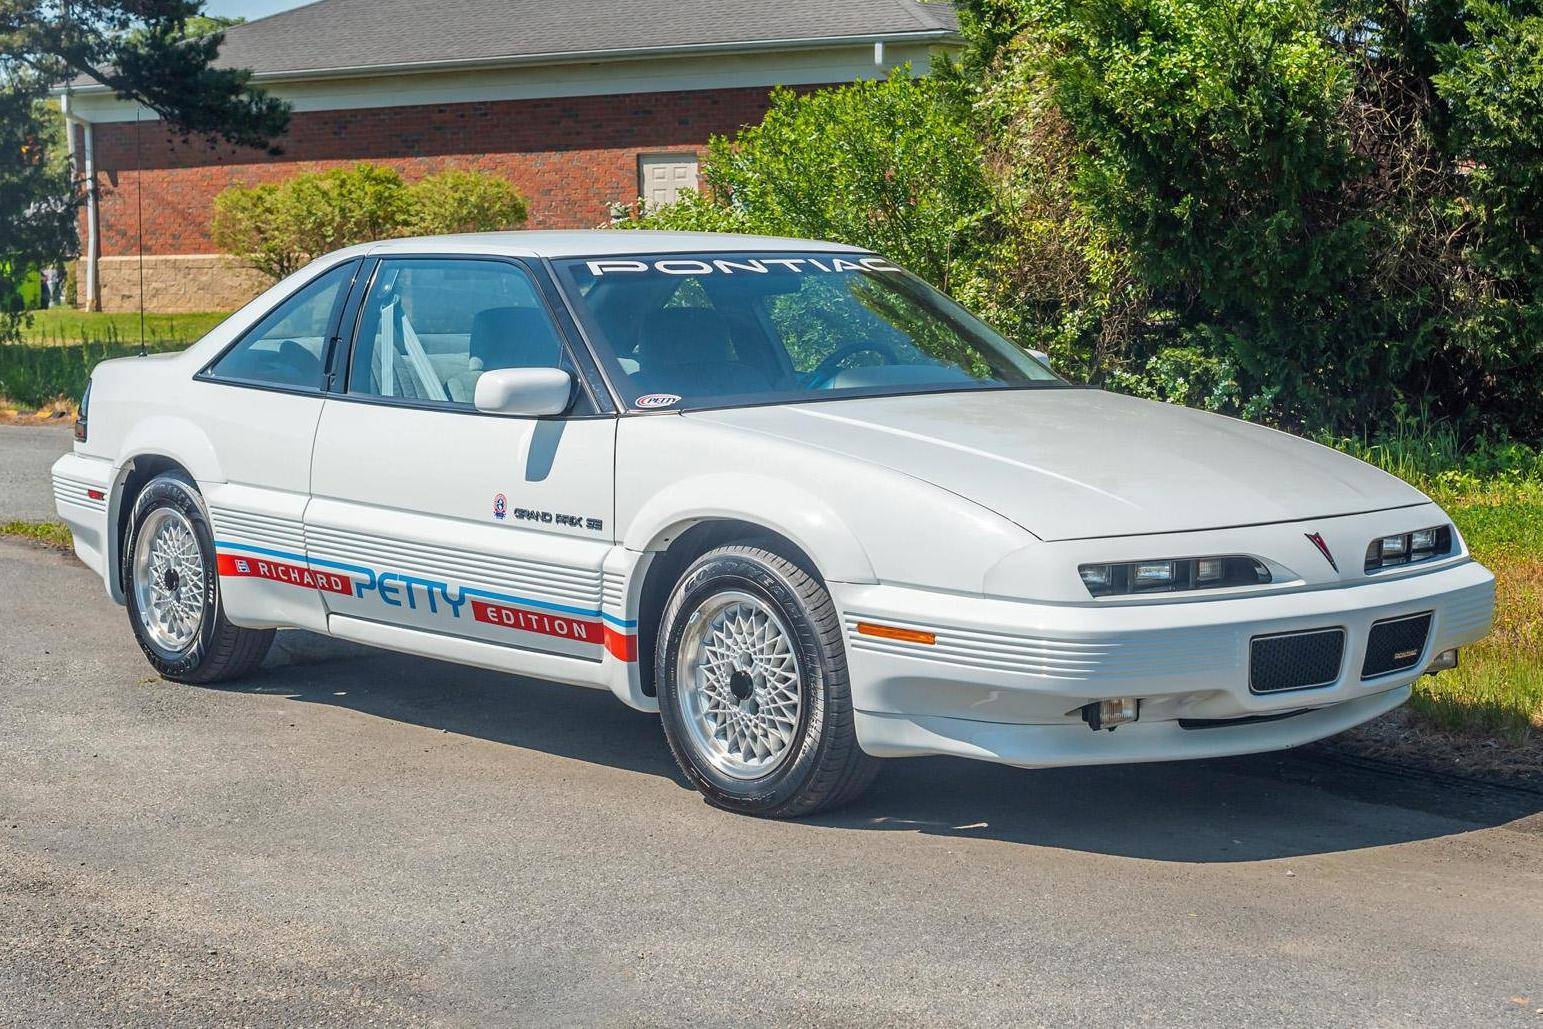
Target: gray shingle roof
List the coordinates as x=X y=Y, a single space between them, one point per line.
x=333 y=35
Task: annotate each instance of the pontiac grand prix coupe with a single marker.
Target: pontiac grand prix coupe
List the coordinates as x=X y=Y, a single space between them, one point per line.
x=784 y=493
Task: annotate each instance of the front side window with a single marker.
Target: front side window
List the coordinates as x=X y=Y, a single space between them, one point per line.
x=288 y=347
x=726 y=329
x=430 y=328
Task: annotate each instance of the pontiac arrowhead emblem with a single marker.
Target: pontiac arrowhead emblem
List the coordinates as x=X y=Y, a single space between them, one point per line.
x=1323 y=548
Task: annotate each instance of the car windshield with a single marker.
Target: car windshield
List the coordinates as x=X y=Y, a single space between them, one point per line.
x=723 y=329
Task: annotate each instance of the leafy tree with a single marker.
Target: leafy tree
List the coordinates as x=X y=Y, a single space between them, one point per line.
x=278 y=227
x=1316 y=211
x=1492 y=87
x=886 y=164
x=37 y=212
x=142 y=51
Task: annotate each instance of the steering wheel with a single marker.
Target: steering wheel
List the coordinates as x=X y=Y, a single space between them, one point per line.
x=827 y=369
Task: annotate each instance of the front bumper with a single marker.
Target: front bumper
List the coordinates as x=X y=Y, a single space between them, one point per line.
x=1005 y=679
x=82 y=488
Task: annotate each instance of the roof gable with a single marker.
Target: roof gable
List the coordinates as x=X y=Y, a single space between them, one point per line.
x=335 y=36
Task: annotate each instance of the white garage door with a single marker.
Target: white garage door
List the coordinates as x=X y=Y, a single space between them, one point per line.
x=663 y=176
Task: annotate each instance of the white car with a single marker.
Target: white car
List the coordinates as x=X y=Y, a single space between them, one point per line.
x=782 y=492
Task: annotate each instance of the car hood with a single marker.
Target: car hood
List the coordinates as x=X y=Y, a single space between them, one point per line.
x=1081 y=463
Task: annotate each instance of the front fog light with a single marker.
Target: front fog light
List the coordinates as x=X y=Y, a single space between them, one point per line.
x=1443 y=661
x=1106 y=714
x=1156 y=575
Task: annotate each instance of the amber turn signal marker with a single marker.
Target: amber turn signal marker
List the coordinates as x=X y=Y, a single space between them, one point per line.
x=893 y=632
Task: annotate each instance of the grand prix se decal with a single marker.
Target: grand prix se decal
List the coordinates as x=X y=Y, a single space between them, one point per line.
x=396 y=589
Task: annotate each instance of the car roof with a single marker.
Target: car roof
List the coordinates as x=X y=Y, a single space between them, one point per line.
x=601 y=243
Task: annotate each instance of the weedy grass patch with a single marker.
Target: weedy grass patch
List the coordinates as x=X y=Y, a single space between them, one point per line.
x=52 y=361
x=50 y=534
x=66 y=326
x=36 y=375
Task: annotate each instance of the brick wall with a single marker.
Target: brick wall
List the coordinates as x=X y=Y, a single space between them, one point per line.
x=569 y=156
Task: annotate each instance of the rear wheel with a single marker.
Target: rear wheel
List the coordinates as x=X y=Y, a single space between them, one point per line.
x=753 y=687
x=172 y=587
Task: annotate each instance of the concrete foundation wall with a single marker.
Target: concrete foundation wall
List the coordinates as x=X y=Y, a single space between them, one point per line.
x=175 y=283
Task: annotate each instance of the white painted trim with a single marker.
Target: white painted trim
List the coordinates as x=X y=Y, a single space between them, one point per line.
x=593 y=78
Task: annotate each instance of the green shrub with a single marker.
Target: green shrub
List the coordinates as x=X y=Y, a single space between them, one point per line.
x=463 y=201
x=278 y=227
x=1312 y=213
x=1340 y=203
x=885 y=164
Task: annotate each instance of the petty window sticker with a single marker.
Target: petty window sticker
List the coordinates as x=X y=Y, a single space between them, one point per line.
x=500 y=507
x=653 y=401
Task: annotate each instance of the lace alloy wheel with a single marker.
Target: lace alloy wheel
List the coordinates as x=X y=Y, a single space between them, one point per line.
x=739 y=676
x=169 y=580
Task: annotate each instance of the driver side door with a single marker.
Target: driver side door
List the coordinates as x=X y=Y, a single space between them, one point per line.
x=448 y=522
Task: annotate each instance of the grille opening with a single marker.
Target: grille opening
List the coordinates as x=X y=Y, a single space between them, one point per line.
x=1395 y=644
x=1295 y=660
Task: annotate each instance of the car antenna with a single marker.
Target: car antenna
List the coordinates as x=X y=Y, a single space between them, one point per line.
x=139 y=202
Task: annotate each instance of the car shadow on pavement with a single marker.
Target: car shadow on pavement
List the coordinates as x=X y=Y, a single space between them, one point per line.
x=1254 y=808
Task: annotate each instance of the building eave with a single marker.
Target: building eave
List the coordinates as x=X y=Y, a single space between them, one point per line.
x=940 y=36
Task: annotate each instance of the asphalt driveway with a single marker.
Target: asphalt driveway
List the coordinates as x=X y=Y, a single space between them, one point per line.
x=392 y=840
x=26 y=454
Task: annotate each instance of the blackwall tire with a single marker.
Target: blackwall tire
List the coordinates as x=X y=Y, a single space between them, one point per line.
x=172 y=587
x=744 y=630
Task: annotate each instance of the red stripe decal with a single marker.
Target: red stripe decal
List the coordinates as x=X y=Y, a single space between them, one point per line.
x=622 y=646
x=278 y=571
x=532 y=621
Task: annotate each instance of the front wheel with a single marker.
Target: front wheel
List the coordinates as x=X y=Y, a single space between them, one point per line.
x=173 y=590
x=753 y=687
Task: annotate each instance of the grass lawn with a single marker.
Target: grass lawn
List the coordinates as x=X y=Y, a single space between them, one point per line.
x=64 y=326
x=1498 y=688
x=57 y=351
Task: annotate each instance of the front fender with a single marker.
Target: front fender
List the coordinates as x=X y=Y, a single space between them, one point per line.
x=796 y=513
x=166 y=437
x=859 y=522
x=175 y=438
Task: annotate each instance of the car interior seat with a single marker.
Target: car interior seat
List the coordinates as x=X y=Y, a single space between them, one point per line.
x=688 y=350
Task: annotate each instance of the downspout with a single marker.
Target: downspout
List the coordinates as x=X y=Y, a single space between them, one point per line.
x=88 y=173
x=93 y=226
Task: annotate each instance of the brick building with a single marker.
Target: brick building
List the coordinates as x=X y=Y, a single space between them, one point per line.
x=580 y=105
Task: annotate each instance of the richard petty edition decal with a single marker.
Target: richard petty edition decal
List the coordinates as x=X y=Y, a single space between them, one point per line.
x=395 y=589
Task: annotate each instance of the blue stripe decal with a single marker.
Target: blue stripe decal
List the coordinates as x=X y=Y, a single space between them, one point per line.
x=465 y=590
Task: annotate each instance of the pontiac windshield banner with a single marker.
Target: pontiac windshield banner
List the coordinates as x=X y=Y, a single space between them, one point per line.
x=759 y=265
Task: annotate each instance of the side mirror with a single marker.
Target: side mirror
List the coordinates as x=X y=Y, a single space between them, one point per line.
x=525 y=392
x=1040 y=356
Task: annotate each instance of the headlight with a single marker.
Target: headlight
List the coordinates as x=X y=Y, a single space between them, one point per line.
x=1409 y=547
x=1188 y=573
